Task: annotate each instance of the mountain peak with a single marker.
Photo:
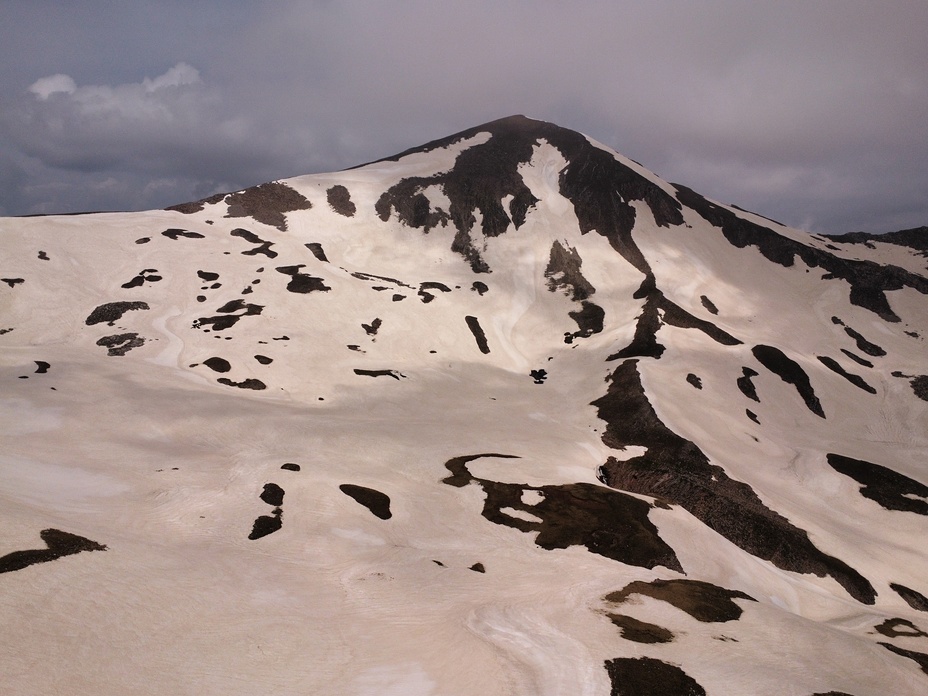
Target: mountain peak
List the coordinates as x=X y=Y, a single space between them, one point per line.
x=507 y=370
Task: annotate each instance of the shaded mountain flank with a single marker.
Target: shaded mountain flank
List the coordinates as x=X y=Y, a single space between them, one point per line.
x=675 y=470
x=914 y=238
x=485 y=179
x=869 y=280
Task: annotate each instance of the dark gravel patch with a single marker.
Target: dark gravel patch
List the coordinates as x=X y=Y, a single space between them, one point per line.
x=564 y=274
x=856 y=358
x=272 y=494
x=316 y=249
x=604 y=521
x=920 y=658
x=900 y=628
x=176 y=233
x=379 y=373
x=266 y=524
x=645 y=676
x=640 y=631
x=914 y=599
x=702 y=600
x=112 y=312
x=479 y=336
x=589 y=318
x=228 y=317
x=197 y=206
x=889 y=488
x=302 y=283
x=253 y=384
x=920 y=386
x=790 y=372
x=262 y=247
x=267 y=203
x=59 y=544
x=375 y=501
x=835 y=367
x=119 y=344
x=746 y=384
x=372 y=328
x=218 y=364
x=339 y=199
x=707 y=303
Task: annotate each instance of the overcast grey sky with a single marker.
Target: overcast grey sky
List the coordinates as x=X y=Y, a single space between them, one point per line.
x=813 y=113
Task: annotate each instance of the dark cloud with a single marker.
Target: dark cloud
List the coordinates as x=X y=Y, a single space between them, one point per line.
x=812 y=113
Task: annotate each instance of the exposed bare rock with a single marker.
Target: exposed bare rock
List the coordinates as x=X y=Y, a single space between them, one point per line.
x=267 y=203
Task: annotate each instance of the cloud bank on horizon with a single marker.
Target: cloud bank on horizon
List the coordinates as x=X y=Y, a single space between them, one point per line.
x=815 y=114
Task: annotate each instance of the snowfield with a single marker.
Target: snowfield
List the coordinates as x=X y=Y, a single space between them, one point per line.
x=505 y=414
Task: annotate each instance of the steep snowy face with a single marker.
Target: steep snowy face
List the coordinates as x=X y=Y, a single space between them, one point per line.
x=510 y=411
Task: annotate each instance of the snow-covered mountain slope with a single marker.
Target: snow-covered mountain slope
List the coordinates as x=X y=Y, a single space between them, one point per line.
x=502 y=414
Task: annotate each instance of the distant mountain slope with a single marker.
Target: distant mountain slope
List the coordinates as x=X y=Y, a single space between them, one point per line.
x=505 y=413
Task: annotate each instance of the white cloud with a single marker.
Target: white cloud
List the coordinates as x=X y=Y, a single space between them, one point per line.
x=180 y=74
x=140 y=144
x=44 y=87
x=158 y=126
x=147 y=100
